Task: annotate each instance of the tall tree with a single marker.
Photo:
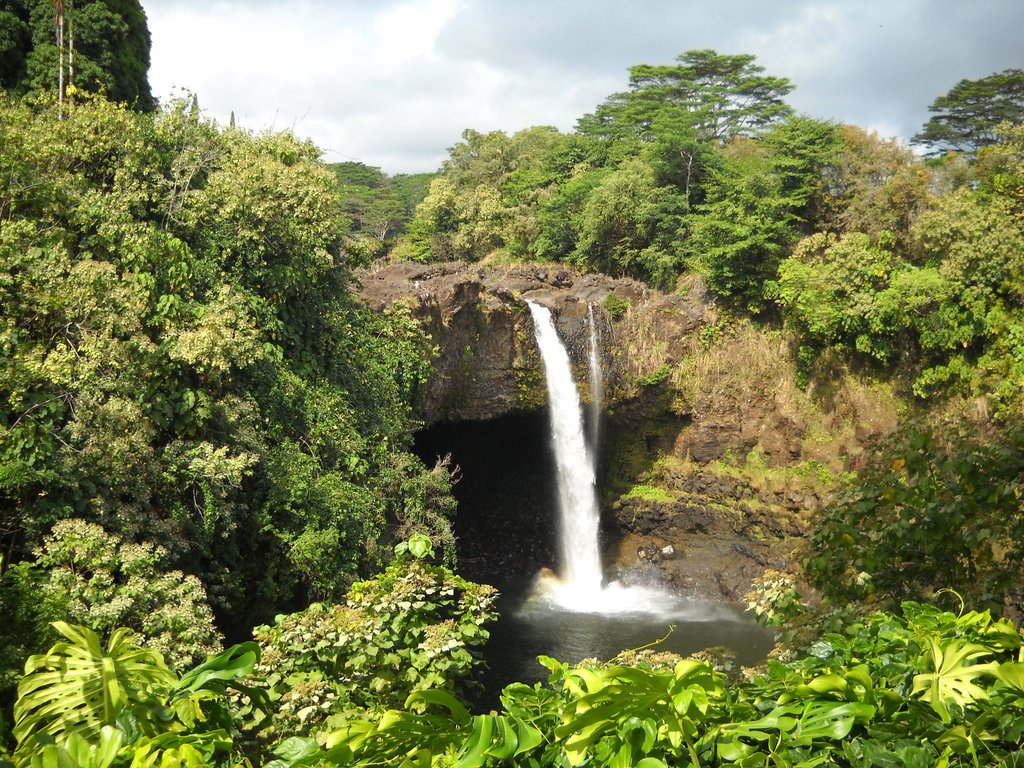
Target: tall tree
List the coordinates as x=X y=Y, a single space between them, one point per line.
x=875 y=185
x=760 y=195
x=111 y=49
x=713 y=96
x=965 y=119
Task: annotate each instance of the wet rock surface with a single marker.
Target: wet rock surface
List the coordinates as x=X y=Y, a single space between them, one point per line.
x=710 y=534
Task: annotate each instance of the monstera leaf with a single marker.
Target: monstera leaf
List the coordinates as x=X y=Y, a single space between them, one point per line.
x=952 y=682
x=78 y=687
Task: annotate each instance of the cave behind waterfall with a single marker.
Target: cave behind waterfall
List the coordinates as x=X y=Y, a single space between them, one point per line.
x=506 y=520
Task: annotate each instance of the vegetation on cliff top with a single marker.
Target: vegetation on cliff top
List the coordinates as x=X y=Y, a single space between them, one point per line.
x=855 y=243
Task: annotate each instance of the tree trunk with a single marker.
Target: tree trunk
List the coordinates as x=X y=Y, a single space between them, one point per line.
x=58 y=6
x=71 y=55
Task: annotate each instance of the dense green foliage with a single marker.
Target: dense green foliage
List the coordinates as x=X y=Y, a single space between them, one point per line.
x=377 y=207
x=85 y=576
x=935 y=508
x=624 y=194
x=616 y=195
x=705 y=96
x=953 y=312
x=109 y=41
x=919 y=687
x=184 y=364
x=88 y=705
x=415 y=627
x=968 y=117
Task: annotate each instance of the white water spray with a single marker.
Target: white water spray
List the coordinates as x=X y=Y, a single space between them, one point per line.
x=577 y=498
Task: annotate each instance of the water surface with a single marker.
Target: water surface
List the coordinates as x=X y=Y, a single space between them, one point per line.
x=530 y=627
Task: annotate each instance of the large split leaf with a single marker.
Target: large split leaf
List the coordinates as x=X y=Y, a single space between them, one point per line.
x=79 y=686
x=952 y=682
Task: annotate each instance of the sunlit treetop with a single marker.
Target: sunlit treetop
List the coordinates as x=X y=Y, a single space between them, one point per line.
x=965 y=119
x=714 y=96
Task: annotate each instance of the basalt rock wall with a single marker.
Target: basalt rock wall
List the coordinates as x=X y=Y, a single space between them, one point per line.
x=702 y=413
x=488 y=364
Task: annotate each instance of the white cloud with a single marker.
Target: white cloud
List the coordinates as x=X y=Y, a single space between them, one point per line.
x=394 y=83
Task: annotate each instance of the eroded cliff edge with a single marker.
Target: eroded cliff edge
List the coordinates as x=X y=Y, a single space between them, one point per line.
x=487 y=364
x=713 y=457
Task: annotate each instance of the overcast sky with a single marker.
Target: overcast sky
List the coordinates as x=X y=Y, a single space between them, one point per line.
x=393 y=83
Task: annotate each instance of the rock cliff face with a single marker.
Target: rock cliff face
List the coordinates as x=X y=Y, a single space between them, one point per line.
x=713 y=533
x=703 y=410
x=488 y=364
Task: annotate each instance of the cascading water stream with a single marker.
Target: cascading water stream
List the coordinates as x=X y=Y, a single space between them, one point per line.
x=573 y=615
x=579 y=518
x=579 y=586
x=596 y=386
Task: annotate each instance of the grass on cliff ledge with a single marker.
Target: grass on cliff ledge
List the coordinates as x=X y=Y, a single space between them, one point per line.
x=649 y=493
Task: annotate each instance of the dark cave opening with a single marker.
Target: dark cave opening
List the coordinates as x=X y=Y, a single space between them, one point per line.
x=506 y=520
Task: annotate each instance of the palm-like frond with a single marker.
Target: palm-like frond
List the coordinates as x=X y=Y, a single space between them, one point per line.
x=79 y=687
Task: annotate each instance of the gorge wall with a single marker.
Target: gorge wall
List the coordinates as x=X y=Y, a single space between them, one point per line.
x=712 y=459
x=488 y=365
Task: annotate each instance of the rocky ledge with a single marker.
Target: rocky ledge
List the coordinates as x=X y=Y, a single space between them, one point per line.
x=488 y=365
x=711 y=533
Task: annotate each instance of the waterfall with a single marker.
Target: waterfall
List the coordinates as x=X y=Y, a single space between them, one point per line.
x=596 y=385
x=577 y=497
x=579 y=587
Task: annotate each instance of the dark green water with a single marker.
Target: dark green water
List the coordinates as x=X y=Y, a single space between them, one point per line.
x=506 y=532
x=530 y=628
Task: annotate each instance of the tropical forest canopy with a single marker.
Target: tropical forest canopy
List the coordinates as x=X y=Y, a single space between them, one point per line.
x=202 y=431
x=93 y=46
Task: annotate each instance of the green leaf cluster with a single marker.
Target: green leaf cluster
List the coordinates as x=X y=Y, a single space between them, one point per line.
x=185 y=365
x=377 y=207
x=934 y=508
x=416 y=627
x=83 y=575
x=88 y=705
x=946 y=304
x=967 y=117
x=111 y=47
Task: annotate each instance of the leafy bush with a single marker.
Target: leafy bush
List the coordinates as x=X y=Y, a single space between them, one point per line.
x=93 y=578
x=415 y=627
x=657 y=376
x=616 y=305
x=932 y=510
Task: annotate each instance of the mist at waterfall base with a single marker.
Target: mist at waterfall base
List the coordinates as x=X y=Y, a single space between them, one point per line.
x=528 y=483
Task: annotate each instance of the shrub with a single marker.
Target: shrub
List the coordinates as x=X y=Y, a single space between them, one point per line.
x=415 y=627
x=616 y=305
x=93 y=578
